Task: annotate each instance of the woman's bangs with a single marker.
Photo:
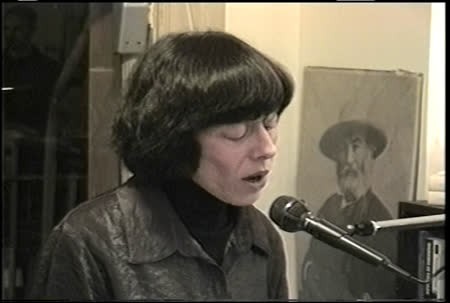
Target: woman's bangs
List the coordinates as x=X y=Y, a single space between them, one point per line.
x=249 y=93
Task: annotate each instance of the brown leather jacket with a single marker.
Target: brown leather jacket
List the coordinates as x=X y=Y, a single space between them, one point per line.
x=129 y=244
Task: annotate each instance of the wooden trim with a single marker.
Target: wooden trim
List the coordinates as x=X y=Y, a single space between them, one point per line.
x=104 y=92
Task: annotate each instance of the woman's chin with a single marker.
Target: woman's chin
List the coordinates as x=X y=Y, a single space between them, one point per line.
x=246 y=200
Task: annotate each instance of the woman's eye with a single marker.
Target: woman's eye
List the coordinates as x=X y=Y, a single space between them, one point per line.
x=235 y=131
x=271 y=121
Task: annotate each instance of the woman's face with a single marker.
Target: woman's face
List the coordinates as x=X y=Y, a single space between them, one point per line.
x=236 y=159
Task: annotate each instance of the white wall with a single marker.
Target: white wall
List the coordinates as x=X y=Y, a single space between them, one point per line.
x=364 y=35
x=436 y=91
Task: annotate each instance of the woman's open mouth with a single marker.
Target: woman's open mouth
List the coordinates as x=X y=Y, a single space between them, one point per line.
x=256 y=177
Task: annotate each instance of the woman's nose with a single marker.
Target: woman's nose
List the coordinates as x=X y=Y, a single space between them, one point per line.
x=265 y=144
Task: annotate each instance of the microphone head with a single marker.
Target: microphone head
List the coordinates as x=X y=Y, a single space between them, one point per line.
x=287 y=212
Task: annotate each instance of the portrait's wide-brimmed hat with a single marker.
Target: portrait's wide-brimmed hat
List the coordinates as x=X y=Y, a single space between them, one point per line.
x=333 y=137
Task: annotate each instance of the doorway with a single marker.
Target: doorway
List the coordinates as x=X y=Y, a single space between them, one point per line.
x=55 y=105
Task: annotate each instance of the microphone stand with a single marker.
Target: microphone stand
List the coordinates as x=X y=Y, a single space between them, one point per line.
x=370 y=228
x=292 y=215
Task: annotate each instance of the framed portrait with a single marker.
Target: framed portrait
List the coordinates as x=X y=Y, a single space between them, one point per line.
x=358 y=155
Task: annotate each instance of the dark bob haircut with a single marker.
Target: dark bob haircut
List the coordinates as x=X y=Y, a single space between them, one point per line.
x=185 y=83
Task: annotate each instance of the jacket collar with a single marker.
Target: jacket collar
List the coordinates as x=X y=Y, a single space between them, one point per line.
x=250 y=231
x=153 y=230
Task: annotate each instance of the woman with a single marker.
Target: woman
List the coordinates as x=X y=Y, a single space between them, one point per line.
x=198 y=130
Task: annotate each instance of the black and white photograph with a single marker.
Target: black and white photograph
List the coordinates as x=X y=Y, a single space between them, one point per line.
x=360 y=130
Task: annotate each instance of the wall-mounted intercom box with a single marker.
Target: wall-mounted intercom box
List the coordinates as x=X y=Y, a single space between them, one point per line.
x=133 y=27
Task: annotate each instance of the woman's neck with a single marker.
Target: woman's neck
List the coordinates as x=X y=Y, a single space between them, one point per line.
x=198 y=208
x=208 y=219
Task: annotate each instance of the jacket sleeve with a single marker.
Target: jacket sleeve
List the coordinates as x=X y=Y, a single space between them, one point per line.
x=68 y=270
x=278 y=287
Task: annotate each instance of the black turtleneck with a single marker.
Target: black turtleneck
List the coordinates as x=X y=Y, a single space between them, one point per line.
x=208 y=219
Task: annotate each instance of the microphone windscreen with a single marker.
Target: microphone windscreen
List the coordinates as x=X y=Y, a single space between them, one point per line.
x=287 y=213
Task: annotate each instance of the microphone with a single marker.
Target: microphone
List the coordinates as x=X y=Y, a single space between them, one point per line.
x=292 y=215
